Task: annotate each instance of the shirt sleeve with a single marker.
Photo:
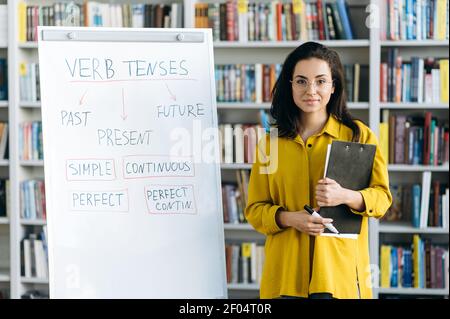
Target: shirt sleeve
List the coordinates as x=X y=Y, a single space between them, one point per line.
x=377 y=197
x=260 y=211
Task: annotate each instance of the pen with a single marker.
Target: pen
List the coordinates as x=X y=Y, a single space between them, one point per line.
x=316 y=214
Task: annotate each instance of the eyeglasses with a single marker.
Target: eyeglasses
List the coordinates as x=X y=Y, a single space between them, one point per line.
x=319 y=85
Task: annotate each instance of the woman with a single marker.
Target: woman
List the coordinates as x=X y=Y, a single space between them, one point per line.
x=309 y=110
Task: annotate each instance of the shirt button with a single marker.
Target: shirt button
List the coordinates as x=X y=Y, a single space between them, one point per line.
x=310 y=145
x=370 y=210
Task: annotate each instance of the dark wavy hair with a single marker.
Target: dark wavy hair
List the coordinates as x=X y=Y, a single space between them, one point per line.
x=286 y=113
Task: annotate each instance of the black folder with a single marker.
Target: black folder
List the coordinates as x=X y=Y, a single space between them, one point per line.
x=349 y=164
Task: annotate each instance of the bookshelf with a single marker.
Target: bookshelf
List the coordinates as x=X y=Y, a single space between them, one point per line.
x=367 y=48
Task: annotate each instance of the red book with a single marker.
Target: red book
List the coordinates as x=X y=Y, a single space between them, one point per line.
x=446 y=148
x=436 y=145
x=436 y=210
x=266 y=83
x=383 y=81
x=279 y=21
x=426 y=139
x=398 y=80
x=320 y=20
x=230 y=20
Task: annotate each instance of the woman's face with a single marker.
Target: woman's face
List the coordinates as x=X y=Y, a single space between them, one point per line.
x=312 y=85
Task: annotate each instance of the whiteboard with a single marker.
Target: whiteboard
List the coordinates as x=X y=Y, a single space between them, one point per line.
x=132 y=169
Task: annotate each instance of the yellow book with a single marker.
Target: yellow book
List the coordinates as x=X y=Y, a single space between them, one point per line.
x=384 y=140
x=304 y=27
x=385 y=266
x=416 y=261
x=246 y=250
x=22 y=17
x=443 y=66
x=441 y=22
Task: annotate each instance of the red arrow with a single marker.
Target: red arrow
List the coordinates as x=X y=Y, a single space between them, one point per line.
x=172 y=96
x=82 y=98
x=123 y=116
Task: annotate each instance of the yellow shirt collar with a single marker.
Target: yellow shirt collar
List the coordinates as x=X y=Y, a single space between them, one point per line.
x=332 y=127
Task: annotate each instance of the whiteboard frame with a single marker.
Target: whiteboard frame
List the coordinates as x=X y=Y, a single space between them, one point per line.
x=89 y=34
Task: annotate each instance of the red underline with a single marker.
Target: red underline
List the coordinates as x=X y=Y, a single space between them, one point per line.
x=131 y=80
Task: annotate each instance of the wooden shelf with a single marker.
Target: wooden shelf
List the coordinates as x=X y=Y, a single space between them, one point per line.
x=4 y=162
x=30 y=105
x=417 y=168
x=254 y=287
x=413 y=291
x=415 y=106
x=289 y=44
x=242 y=106
x=28 y=45
x=247 y=227
x=407 y=229
x=33 y=222
x=414 y=43
x=236 y=166
x=33 y=163
x=266 y=106
x=32 y=280
x=4 y=277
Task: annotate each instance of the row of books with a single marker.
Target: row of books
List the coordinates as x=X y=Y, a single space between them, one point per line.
x=276 y=20
x=34 y=256
x=246 y=82
x=414 y=139
x=356 y=82
x=238 y=141
x=244 y=262
x=420 y=265
x=4 y=140
x=414 y=19
x=234 y=198
x=3 y=77
x=254 y=82
x=32 y=199
x=3 y=27
x=422 y=80
x=422 y=205
x=97 y=14
x=29 y=82
x=30 y=141
x=4 y=197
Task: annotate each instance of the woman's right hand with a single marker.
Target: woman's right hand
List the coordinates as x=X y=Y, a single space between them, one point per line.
x=303 y=221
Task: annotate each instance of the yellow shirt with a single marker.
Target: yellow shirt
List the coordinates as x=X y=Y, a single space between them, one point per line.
x=338 y=263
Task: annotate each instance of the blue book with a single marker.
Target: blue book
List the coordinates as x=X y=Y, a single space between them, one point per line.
x=420 y=145
x=394 y=267
x=431 y=137
x=408 y=87
x=3 y=80
x=345 y=19
x=264 y=120
x=416 y=196
x=408 y=12
x=407 y=268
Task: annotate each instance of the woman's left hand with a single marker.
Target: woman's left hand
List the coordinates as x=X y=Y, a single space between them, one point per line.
x=330 y=193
